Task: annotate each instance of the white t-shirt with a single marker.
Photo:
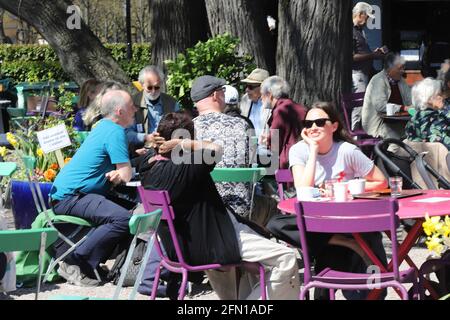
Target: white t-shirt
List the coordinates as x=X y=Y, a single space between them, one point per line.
x=343 y=156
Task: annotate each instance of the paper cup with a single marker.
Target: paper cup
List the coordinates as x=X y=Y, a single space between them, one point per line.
x=340 y=191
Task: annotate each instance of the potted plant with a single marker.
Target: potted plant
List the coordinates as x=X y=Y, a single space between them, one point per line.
x=25 y=143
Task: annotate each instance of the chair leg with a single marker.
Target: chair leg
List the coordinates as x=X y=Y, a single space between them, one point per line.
x=60 y=258
x=262 y=282
x=182 y=290
x=332 y=294
x=41 y=262
x=156 y=281
x=402 y=291
x=305 y=291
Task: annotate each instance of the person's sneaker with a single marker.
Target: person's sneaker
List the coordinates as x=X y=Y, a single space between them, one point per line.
x=74 y=276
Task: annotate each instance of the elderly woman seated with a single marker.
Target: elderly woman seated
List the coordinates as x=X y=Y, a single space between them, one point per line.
x=208 y=231
x=430 y=123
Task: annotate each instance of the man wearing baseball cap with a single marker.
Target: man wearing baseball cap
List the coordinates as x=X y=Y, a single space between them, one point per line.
x=363 y=56
x=212 y=124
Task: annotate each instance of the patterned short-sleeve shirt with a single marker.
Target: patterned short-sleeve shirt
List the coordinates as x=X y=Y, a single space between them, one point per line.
x=230 y=133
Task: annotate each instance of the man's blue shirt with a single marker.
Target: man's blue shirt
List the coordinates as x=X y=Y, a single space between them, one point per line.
x=104 y=147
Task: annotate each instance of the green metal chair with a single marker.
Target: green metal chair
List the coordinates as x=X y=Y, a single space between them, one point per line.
x=29 y=240
x=252 y=175
x=138 y=224
x=6 y=170
x=81 y=136
x=52 y=218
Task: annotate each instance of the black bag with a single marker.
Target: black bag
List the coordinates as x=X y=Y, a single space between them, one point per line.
x=133 y=268
x=73 y=232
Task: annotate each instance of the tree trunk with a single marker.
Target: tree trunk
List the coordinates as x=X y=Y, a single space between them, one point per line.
x=3 y=37
x=245 y=19
x=176 y=25
x=80 y=52
x=314 y=48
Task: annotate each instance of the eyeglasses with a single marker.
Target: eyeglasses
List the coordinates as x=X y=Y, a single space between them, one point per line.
x=319 y=122
x=252 y=86
x=149 y=88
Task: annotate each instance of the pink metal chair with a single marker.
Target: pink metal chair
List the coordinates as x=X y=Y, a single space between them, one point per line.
x=351 y=217
x=161 y=200
x=283 y=176
x=348 y=103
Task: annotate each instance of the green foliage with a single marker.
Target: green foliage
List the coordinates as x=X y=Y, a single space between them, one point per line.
x=37 y=63
x=217 y=56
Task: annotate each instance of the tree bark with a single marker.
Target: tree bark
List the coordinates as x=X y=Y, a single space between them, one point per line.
x=314 y=48
x=3 y=37
x=176 y=25
x=245 y=19
x=80 y=52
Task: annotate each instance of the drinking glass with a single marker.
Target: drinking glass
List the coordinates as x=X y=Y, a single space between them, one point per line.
x=396 y=184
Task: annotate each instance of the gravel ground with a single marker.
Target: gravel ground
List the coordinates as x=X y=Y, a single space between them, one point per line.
x=418 y=255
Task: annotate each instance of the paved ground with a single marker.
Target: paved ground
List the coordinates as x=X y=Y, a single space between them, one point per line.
x=418 y=254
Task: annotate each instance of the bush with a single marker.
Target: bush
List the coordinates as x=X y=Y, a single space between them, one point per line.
x=37 y=63
x=217 y=57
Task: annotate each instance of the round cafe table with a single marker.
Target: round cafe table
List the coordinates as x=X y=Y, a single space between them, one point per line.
x=431 y=202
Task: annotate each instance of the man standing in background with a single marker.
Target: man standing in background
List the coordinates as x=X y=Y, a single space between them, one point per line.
x=363 y=57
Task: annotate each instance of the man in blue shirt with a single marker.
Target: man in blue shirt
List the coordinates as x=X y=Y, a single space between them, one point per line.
x=82 y=188
x=152 y=104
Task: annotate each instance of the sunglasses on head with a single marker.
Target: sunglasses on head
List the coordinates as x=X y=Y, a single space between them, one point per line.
x=153 y=87
x=319 y=122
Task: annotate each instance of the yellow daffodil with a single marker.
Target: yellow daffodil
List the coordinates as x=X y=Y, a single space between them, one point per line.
x=434 y=244
x=12 y=139
x=40 y=153
x=432 y=225
x=66 y=160
x=3 y=151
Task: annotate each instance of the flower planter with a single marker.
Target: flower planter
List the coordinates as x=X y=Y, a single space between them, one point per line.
x=22 y=203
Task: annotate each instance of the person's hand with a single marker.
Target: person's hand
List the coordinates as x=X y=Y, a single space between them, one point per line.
x=141 y=151
x=114 y=177
x=153 y=140
x=263 y=139
x=168 y=146
x=378 y=53
x=313 y=145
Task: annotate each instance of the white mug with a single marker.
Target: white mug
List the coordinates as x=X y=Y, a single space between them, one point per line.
x=340 y=191
x=307 y=193
x=390 y=109
x=357 y=186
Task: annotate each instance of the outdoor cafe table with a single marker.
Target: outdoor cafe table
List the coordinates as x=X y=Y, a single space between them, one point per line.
x=433 y=202
x=402 y=116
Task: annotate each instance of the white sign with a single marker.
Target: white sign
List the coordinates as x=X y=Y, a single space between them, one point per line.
x=54 y=138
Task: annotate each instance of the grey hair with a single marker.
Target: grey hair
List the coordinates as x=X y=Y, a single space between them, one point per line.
x=110 y=103
x=93 y=111
x=443 y=70
x=275 y=85
x=362 y=7
x=423 y=91
x=150 y=69
x=392 y=59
